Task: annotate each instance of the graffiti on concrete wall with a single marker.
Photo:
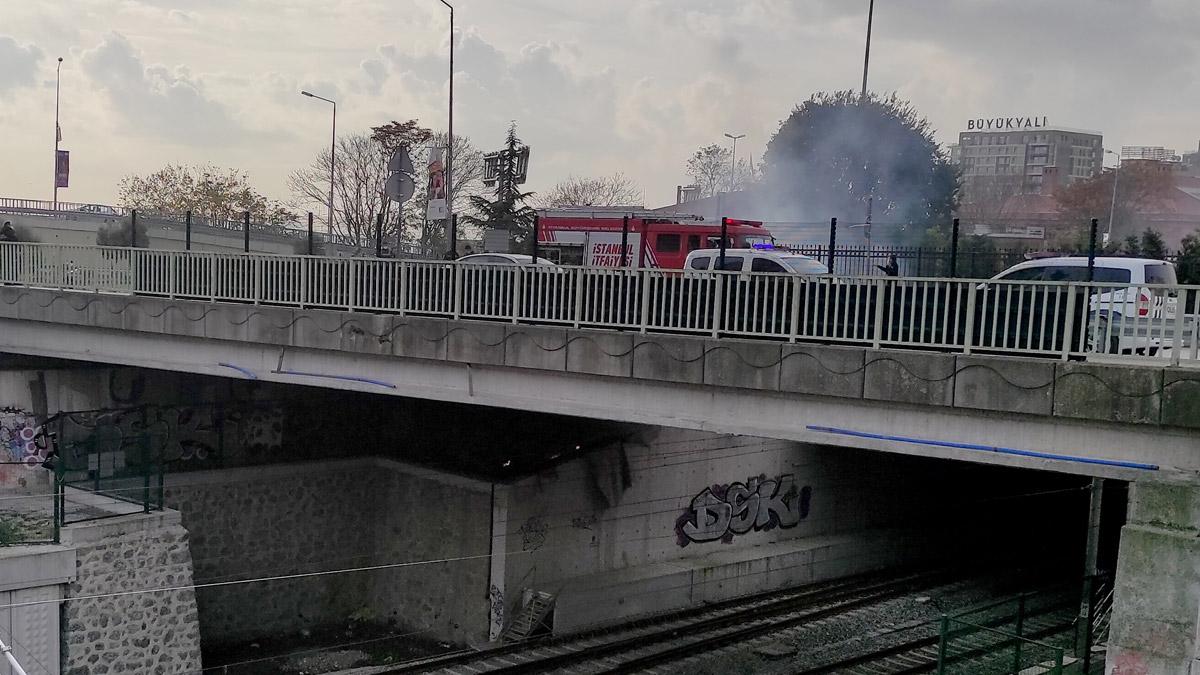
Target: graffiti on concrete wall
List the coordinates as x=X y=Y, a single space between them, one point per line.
x=185 y=435
x=496 y=600
x=21 y=438
x=533 y=533
x=760 y=504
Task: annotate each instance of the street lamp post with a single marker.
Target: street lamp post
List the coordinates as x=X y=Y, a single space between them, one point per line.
x=450 y=127
x=867 y=54
x=332 y=154
x=1112 y=207
x=57 y=129
x=733 y=159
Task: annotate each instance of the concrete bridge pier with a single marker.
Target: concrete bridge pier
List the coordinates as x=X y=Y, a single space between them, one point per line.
x=1155 y=626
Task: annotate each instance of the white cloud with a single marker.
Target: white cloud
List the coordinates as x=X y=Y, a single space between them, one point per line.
x=20 y=63
x=630 y=85
x=157 y=101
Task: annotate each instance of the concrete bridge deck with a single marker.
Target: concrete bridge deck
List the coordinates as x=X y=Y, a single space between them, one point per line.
x=1103 y=419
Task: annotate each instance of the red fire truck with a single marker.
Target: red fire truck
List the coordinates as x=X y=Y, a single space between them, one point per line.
x=593 y=237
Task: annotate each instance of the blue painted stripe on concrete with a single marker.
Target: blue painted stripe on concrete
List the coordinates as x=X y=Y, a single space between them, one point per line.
x=986 y=448
x=352 y=378
x=248 y=373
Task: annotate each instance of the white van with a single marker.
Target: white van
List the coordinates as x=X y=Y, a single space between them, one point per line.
x=1125 y=316
x=754 y=260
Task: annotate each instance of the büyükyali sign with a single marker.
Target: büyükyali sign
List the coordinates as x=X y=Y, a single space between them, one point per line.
x=1005 y=123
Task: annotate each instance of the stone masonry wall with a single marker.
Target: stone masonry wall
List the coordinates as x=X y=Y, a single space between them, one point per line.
x=337 y=515
x=142 y=633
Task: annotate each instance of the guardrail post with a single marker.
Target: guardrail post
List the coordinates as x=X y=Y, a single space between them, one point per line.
x=794 y=314
x=877 y=307
x=257 y=267
x=246 y=232
x=403 y=301
x=212 y=277
x=954 y=249
x=171 y=272
x=718 y=304
x=578 y=295
x=310 y=233
x=643 y=277
x=350 y=285
x=1069 y=325
x=969 y=337
x=832 y=242
x=303 y=282
x=518 y=278
x=458 y=291
x=1180 y=310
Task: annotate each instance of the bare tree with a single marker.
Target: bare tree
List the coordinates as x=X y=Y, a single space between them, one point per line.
x=360 y=174
x=615 y=190
x=709 y=169
x=983 y=201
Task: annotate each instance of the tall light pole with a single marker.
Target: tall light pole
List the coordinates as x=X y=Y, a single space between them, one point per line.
x=57 y=129
x=450 y=127
x=867 y=55
x=733 y=159
x=1112 y=207
x=332 y=155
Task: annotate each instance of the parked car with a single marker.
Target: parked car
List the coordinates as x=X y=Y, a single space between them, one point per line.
x=502 y=259
x=1125 y=315
x=755 y=260
x=99 y=209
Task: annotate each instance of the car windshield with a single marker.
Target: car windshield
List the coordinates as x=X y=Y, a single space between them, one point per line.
x=1160 y=273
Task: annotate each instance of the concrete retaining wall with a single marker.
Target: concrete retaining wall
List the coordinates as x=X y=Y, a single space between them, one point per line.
x=691 y=516
x=140 y=633
x=313 y=517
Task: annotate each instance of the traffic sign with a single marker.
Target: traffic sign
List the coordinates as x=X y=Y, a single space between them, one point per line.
x=399 y=187
x=401 y=162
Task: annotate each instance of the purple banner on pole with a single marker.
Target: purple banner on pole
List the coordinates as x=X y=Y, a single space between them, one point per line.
x=62 y=168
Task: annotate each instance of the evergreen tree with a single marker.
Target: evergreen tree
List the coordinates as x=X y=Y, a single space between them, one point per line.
x=1153 y=245
x=508 y=210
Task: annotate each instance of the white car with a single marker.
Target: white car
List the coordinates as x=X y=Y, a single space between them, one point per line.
x=502 y=259
x=754 y=260
x=1126 y=313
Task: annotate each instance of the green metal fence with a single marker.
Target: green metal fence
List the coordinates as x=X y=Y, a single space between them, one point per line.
x=105 y=476
x=967 y=648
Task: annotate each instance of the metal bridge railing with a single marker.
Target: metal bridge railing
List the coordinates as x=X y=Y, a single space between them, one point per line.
x=1058 y=319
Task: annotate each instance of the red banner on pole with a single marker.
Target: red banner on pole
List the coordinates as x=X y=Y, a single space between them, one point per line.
x=62 y=169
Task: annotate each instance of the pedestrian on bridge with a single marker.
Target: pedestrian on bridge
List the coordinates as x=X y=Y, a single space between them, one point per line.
x=892 y=268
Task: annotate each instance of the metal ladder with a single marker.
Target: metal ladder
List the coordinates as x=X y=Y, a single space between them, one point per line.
x=530 y=618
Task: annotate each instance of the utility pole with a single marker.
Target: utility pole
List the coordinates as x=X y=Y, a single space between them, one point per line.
x=57 y=129
x=867 y=55
x=450 y=126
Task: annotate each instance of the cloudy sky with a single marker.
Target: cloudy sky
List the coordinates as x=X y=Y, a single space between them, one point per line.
x=595 y=86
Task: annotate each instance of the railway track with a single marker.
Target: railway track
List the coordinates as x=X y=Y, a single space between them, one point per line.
x=681 y=636
x=914 y=647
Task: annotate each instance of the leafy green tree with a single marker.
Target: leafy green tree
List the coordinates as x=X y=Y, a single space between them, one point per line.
x=207 y=191
x=839 y=154
x=508 y=210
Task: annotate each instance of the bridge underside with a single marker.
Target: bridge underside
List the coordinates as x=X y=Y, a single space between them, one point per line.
x=1030 y=441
